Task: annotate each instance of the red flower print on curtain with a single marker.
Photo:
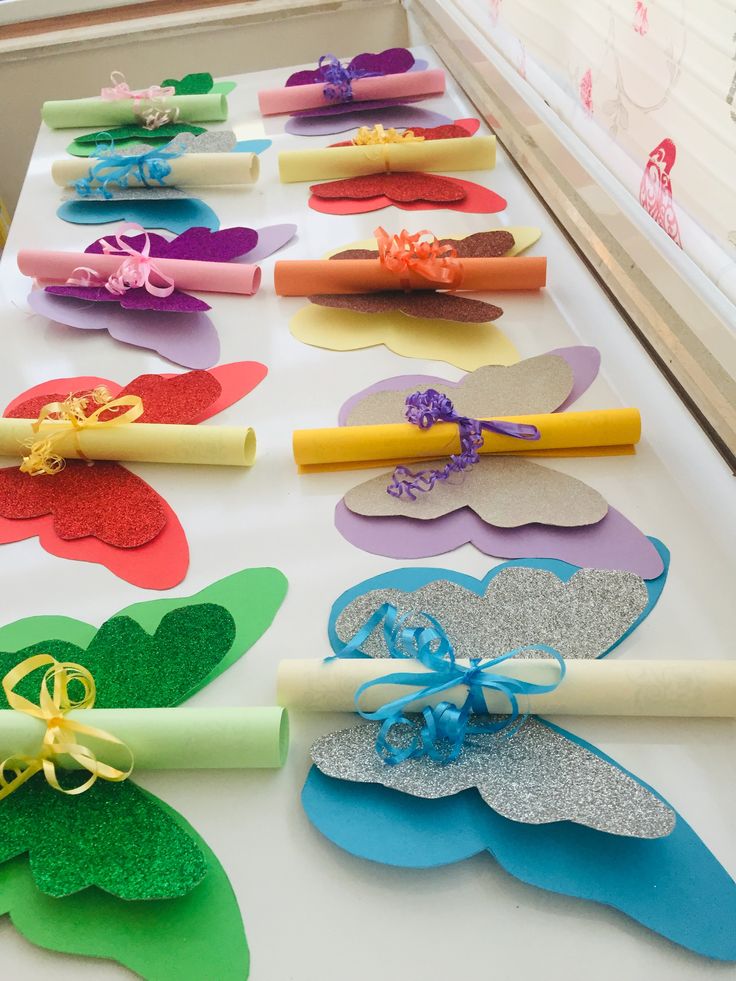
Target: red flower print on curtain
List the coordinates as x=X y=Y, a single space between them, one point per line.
x=641 y=18
x=655 y=192
x=586 y=91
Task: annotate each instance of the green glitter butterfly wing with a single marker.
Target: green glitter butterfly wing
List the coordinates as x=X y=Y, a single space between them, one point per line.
x=198 y=83
x=166 y=940
x=116 y=837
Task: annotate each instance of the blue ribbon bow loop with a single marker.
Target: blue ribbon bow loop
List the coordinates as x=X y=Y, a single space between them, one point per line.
x=445 y=727
x=151 y=167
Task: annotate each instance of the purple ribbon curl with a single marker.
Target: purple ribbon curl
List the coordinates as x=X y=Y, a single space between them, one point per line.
x=424 y=409
x=339 y=78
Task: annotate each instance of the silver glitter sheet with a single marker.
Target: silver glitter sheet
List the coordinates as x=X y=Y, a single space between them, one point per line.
x=220 y=141
x=133 y=194
x=534 y=776
x=522 y=605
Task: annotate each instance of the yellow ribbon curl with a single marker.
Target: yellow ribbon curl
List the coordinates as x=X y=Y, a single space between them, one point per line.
x=42 y=459
x=370 y=136
x=60 y=738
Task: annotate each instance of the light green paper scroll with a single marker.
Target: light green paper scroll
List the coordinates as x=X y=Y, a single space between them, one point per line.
x=168 y=738
x=71 y=113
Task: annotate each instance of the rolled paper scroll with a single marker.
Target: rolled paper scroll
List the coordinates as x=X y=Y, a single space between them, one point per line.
x=190 y=170
x=686 y=689
x=72 y=113
x=294 y=277
x=473 y=153
x=381 y=445
x=208 y=277
x=293 y=98
x=137 y=442
x=168 y=738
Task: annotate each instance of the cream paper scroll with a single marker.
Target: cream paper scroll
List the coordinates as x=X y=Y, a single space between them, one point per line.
x=227 y=446
x=189 y=170
x=685 y=689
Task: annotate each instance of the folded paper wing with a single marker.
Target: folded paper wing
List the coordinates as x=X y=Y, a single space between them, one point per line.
x=599 y=431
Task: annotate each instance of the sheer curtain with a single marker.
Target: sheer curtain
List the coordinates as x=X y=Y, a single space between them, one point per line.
x=650 y=87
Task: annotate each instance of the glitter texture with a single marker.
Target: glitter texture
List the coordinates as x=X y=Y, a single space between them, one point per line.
x=534 y=776
x=105 y=501
x=115 y=836
x=433 y=304
x=580 y=618
x=403 y=187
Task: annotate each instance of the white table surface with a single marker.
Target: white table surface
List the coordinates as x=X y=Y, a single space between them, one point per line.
x=312 y=912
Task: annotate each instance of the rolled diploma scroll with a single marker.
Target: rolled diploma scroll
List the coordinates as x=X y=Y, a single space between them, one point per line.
x=70 y=113
x=188 y=274
x=403 y=441
x=471 y=153
x=137 y=442
x=689 y=689
x=167 y=738
x=190 y=170
x=304 y=277
x=292 y=98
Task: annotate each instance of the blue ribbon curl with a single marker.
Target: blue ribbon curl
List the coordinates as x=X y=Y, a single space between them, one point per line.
x=445 y=727
x=151 y=167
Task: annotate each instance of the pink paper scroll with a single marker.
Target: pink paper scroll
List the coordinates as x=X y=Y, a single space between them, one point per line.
x=207 y=277
x=293 y=98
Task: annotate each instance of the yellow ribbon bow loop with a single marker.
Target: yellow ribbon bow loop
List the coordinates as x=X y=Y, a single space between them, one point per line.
x=60 y=740
x=71 y=416
x=371 y=136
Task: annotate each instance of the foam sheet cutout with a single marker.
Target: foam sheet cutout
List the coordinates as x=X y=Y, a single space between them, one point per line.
x=396 y=116
x=175 y=215
x=506 y=507
x=410 y=191
x=186 y=337
x=467 y=346
x=105 y=514
x=163 y=905
x=669 y=882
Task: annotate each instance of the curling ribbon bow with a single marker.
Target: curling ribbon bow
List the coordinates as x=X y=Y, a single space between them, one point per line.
x=367 y=136
x=60 y=739
x=121 y=90
x=134 y=272
x=72 y=411
x=431 y=259
x=151 y=167
x=424 y=409
x=445 y=727
x=339 y=78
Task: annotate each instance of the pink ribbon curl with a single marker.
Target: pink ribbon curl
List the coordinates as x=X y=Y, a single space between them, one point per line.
x=133 y=273
x=121 y=90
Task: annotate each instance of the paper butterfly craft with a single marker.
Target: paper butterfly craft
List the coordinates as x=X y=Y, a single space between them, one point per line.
x=200 y=83
x=175 y=326
x=114 y=872
x=105 y=513
x=505 y=506
x=337 y=117
x=158 y=205
x=409 y=190
x=415 y=324
x=552 y=809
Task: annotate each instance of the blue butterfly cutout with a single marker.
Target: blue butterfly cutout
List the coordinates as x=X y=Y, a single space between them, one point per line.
x=673 y=885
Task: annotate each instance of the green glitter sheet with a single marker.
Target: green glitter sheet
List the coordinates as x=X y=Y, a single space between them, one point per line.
x=179 y=646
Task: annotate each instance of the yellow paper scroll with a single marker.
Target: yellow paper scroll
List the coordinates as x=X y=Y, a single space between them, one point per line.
x=228 y=446
x=330 y=163
x=340 y=446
